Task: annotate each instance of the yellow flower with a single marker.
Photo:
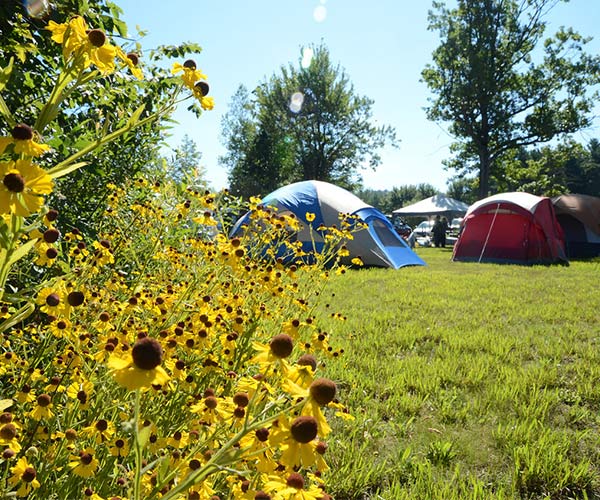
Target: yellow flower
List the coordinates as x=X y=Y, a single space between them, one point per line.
x=119 y=448
x=87 y=46
x=292 y=488
x=191 y=74
x=84 y=464
x=22 y=188
x=207 y=103
x=131 y=60
x=24 y=475
x=9 y=432
x=43 y=409
x=357 y=261
x=310 y=217
x=142 y=369
x=22 y=140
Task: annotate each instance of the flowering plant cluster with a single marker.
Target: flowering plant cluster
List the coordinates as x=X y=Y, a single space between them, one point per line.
x=162 y=358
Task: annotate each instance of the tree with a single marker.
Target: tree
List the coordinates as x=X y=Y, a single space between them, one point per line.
x=107 y=106
x=184 y=166
x=487 y=85
x=568 y=167
x=304 y=123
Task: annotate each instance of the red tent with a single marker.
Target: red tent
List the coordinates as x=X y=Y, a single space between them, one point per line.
x=518 y=228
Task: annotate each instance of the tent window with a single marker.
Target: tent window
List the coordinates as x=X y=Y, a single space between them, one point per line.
x=385 y=235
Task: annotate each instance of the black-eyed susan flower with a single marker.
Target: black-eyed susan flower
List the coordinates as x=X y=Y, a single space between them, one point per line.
x=292 y=487
x=119 y=447
x=43 y=408
x=309 y=217
x=279 y=348
x=320 y=392
x=86 y=46
x=23 y=187
x=22 y=138
x=23 y=476
x=191 y=74
x=141 y=368
x=9 y=432
x=84 y=464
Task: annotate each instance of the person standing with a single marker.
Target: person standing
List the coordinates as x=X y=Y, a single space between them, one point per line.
x=437 y=231
x=443 y=231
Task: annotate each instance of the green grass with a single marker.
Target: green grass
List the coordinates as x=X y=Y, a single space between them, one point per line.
x=466 y=381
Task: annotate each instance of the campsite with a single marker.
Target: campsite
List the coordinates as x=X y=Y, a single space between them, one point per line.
x=353 y=307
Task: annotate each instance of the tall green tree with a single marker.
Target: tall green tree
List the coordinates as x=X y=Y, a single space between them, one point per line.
x=305 y=122
x=501 y=85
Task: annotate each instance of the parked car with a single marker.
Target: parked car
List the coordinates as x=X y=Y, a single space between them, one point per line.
x=424 y=229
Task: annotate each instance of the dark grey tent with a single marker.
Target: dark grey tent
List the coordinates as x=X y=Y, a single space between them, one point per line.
x=579 y=217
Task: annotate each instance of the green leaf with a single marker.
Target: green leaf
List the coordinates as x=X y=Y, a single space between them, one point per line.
x=143 y=436
x=5 y=74
x=65 y=169
x=135 y=117
x=21 y=251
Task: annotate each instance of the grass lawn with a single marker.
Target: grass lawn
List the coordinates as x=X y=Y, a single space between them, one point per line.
x=476 y=381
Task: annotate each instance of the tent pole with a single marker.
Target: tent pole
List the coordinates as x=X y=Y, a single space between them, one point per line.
x=488 y=235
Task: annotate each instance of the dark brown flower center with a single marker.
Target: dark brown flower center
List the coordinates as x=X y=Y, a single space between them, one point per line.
x=295 y=480
x=147 y=353
x=195 y=464
x=71 y=434
x=323 y=391
x=52 y=253
x=281 y=345
x=190 y=63
x=52 y=300
x=44 y=400
x=241 y=399
x=51 y=235
x=133 y=58
x=22 y=132
x=28 y=474
x=304 y=429
x=96 y=37
x=102 y=425
x=9 y=431
x=211 y=402
x=86 y=458
x=75 y=298
x=308 y=360
x=14 y=182
x=262 y=434
x=261 y=495
x=203 y=87
x=6 y=417
x=52 y=215
x=321 y=447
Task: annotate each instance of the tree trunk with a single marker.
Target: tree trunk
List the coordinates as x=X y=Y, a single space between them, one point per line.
x=484 y=173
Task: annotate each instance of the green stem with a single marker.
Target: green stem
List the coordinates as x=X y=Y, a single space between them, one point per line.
x=138 y=448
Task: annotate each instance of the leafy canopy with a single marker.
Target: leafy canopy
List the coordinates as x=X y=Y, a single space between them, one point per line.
x=501 y=85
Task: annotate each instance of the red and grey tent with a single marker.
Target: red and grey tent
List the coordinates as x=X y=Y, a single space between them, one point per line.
x=518 y=228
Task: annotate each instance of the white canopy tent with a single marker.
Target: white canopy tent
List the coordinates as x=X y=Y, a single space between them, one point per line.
x=438 y=204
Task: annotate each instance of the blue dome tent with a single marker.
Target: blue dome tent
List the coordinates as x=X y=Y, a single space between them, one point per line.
x=378 y=245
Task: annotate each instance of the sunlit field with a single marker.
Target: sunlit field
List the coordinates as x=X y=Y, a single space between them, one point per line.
x=467 y=381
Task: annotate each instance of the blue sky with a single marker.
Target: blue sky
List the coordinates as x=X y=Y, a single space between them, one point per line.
x=382 y=45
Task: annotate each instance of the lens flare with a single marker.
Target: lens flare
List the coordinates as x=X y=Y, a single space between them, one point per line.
x=37 y=8
x=296 y=102
x=307 y=55
x=320 y=13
